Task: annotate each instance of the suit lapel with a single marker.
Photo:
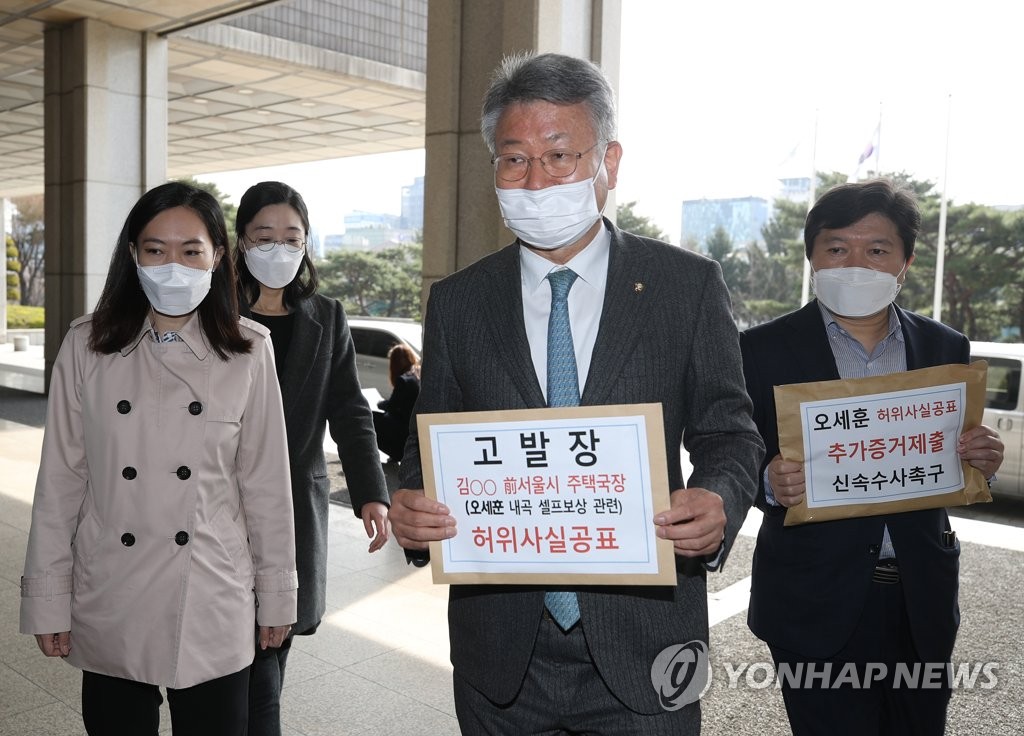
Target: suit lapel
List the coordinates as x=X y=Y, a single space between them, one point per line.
x=629 y=296
x=503 y=307
x=918 y=353
x=807 y=346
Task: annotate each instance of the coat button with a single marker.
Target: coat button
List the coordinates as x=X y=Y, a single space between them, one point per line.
x=874 y=549
x=127 y=539
x=183 y=473
x=181 y=539
x=195 y=408
x=129 y=473
x=124 y=406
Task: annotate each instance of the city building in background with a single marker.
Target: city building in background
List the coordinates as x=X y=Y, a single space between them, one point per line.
x=742 y=218
x=796 y=189
x=370 y=231
x=412 y=204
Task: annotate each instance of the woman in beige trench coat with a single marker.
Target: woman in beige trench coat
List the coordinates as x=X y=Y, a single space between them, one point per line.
x=162 y=520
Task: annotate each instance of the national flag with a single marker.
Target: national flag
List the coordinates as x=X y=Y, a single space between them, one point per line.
x=872 y=144
x=871 y=149
x=868 y=150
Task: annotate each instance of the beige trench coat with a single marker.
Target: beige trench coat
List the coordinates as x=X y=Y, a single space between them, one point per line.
x=163 y=501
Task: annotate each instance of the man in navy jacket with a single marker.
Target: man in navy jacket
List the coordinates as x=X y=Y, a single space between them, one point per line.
x=879 y=590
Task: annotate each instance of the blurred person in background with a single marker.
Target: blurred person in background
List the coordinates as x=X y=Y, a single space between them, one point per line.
x=392 y=422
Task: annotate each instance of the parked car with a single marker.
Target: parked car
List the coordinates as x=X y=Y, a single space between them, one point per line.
x=1004 y=409
x=374 y=337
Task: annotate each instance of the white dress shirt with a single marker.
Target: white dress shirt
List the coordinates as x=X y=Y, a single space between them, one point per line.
x=586 y=299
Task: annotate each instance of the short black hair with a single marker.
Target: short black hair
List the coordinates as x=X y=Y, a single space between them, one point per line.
x=846 y=204
x=256 y=198
x=123 y=306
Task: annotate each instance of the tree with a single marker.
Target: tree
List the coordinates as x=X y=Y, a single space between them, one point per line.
x=982 y=274
x=631 y=222
x=13 y=272
x=735 y=269
x=28 y=230
x=383 y=283
x=735 y=266
x=230 y=211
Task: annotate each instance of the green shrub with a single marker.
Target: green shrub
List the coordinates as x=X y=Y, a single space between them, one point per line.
x=20 y=318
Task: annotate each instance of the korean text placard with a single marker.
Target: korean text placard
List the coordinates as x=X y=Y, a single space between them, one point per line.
x=550 y=496
x=882 y=444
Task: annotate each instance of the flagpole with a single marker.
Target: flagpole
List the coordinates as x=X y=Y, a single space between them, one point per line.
x=805 y=289
x=878 y=141
x=940 y=247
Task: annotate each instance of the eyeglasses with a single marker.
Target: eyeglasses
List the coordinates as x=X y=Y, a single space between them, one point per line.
x=292 y=245
x=558 y=162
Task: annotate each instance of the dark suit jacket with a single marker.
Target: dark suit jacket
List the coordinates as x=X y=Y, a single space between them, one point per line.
x=320 y=386
x=810 y=581
x=671 y=340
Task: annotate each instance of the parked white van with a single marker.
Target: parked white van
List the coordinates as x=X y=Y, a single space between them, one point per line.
x=1004 y=409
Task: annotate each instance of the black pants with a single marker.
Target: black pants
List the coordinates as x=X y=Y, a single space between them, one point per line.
x=112 y=706
x=889 y=706
x=266 y=678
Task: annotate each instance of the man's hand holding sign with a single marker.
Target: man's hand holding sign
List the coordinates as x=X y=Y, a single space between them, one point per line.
x=571 y=495
x=979 y=447
x=884 y=444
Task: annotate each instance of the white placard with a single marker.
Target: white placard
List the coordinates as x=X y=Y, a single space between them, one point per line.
x=562 y=496
x=883 y=447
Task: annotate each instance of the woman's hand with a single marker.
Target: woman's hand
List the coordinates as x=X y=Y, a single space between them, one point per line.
x=273 y=636
x=375 y=522
x=55 y=645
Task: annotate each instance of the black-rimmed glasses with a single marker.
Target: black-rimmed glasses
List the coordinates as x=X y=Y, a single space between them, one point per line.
x=292 y=245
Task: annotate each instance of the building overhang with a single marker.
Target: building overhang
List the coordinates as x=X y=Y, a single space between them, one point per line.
x=236 y=99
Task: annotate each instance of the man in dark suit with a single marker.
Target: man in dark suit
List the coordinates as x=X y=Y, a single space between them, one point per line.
x=873 y=591
x=650 y=323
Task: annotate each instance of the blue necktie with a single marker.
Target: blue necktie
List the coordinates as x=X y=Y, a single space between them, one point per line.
x=563 y=390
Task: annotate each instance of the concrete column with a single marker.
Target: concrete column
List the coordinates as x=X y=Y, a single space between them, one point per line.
x=106 y=144
x=466 y=40
x=4 y=232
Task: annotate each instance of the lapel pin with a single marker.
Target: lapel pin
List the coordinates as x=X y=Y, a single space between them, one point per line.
x=638 y=286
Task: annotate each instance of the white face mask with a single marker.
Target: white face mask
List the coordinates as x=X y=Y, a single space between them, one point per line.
x=855 y=292
x=174 y=289
x=552 y=217
x=276 y=267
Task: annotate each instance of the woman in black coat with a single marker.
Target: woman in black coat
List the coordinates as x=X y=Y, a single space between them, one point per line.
x=316 y=367
x=392 y=425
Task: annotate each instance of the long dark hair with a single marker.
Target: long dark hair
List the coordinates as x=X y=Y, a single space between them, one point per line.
x=256 y=198
x=123 y=306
